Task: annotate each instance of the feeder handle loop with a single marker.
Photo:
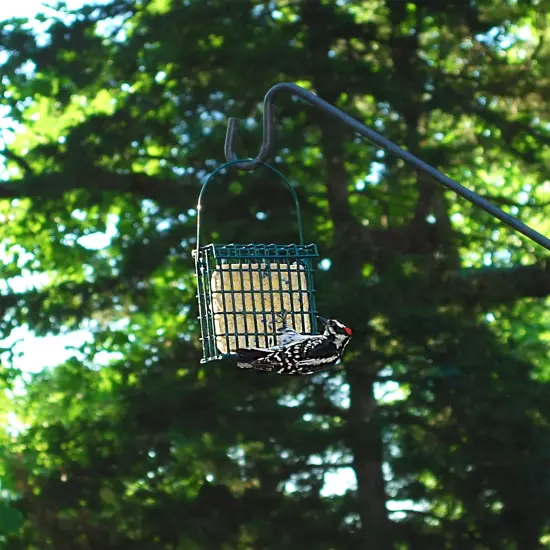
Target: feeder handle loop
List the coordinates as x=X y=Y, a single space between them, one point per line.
x=209 y=177
x=375 y=137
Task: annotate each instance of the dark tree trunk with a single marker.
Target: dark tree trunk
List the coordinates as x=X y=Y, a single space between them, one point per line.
x=366 y=445
x=364 y=435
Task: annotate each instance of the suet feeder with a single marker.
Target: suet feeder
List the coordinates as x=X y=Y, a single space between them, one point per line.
x=245 y=290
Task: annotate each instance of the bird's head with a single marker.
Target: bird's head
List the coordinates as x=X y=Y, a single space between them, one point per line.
x=340 y=332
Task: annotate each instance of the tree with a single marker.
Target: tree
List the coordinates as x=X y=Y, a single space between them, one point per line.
x=132 y=443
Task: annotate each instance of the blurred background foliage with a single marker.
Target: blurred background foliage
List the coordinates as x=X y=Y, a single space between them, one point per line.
x=434 y=435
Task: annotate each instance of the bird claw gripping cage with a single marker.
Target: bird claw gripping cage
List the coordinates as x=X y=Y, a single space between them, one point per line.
x=246 y=292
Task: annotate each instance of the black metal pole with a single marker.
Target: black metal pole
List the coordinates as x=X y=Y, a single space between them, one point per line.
x=375 y=137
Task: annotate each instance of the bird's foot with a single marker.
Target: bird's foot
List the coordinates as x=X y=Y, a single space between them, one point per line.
x=283 y=317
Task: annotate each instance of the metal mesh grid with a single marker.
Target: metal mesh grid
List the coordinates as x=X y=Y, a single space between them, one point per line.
x=243 y=290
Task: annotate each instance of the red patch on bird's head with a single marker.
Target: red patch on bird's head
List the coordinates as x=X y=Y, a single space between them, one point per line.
x=348 y=331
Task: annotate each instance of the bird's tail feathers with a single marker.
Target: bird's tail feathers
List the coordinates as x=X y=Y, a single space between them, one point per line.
x=248 y=355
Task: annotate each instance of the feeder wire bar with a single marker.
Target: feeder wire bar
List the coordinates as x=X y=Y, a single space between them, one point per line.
x=375 y=137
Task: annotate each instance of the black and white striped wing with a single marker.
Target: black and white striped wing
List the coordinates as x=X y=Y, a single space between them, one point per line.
x=303 y=357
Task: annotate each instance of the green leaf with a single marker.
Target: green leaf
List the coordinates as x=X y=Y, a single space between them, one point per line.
x=10 y=519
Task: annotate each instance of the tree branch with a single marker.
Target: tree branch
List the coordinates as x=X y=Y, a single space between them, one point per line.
x=20 y=161
x=500 y=285
x=166 y=192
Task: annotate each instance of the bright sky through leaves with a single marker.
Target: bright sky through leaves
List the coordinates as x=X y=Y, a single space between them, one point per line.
x=33 y=353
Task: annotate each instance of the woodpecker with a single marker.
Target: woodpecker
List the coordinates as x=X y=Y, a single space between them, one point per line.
x=300 y=354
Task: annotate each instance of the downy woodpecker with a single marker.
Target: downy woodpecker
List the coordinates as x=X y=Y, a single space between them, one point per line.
x=297 y=353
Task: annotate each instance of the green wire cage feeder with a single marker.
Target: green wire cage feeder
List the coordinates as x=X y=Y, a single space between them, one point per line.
x=244 y=291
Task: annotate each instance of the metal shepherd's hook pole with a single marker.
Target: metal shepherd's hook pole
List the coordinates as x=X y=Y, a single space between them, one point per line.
x=381 y=141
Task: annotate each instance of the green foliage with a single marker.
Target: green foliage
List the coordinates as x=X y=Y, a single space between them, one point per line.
x=112 y=119
x=10 y=519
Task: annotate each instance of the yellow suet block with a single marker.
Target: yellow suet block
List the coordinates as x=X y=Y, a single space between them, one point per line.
x=246 y=299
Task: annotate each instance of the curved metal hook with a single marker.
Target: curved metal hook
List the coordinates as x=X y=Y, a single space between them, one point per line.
x=269 y=125
x=375 y=137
